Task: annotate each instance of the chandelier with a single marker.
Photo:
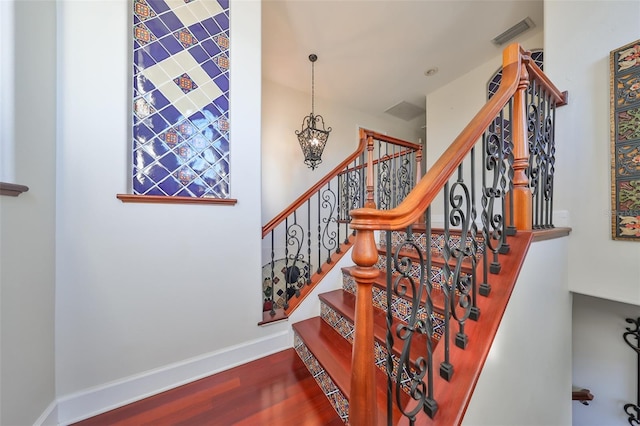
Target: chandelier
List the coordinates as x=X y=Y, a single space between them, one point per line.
x=313 y=136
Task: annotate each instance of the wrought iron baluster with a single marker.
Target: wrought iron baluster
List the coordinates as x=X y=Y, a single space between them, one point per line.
x=393 y=173
x=309 y=239
x=510 y=226
x=473 y=239
x=446 y=368
x=363 y=182
x=461 y=283
x=504 y=246
x=412 y=373
x=536 y=148
x=273 y=302
x=404 y=177
x=389 y=321
x=632 y=338
x=319 y=270
x=485 y=287
x=293 y=270
x=339 y=211
x=286 y=263
x=551 y=160
x=329 y=203
x=493 y=221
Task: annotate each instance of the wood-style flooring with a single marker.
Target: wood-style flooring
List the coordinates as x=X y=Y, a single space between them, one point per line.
x=275 y=390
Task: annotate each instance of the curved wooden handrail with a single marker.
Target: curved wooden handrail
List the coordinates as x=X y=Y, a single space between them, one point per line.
x=432 y=182
x=270 y=226
x=391 y=139
x=364 y=136
x=535 y=73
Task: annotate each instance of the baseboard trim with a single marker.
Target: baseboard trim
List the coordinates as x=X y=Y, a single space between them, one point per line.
x=49 y=416
x=100 y=399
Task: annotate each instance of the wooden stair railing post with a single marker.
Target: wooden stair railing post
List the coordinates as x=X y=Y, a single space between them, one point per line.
x=522 y=203
x=370 y=203
x=362 y=398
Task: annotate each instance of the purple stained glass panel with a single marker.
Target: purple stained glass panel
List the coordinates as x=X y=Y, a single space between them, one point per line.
x=171 y=154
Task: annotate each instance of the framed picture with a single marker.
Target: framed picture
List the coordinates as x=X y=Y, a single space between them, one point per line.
x=625 y=142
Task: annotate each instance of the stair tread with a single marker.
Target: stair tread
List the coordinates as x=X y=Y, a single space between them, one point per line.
x=333 y=352
x=344 y=303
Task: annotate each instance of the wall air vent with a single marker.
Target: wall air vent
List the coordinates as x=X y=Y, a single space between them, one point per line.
x=514 y=31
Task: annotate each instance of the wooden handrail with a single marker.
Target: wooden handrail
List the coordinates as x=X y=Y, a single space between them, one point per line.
x=364 y=135
x=518 y=69
x=535 y=73
x=434 y=179
x=270 y=226
x=391 y=139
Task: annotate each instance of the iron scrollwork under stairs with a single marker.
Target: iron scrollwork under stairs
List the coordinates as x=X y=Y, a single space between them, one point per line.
x=632 y=338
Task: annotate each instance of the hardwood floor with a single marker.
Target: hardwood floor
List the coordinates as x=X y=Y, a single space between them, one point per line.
x=275 y=390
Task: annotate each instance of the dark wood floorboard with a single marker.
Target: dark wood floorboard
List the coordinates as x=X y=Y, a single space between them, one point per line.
x=275 y=390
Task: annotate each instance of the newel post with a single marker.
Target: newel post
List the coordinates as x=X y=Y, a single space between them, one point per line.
x=522 y=203
x=362 y=398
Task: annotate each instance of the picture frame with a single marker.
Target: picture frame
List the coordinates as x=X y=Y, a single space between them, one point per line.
x=625 y=141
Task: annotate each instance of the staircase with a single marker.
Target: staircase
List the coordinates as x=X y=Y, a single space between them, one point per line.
x=405 y=339
x=324 y=343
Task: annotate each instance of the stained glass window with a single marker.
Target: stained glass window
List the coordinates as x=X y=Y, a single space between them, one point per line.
x=180 y=108
x=494 y=81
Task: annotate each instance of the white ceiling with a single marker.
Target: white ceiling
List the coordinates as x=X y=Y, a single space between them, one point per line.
x=372 y=54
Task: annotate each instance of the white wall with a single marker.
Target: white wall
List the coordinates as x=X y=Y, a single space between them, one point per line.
x=27 y=227
x=602 y=362
x=526 y=379
x=284 y=175
x=148 y=289
x=588 y=31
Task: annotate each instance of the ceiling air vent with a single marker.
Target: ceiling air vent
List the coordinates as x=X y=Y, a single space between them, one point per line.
x=514 y=31
x=405 y=111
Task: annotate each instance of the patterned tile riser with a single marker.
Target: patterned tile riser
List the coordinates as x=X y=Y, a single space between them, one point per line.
x=437 y=273
x=336 y=398
x=345 y=329
x=400 y=307
x=437 y=242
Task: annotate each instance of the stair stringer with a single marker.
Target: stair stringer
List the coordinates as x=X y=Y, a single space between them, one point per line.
x=527 y=377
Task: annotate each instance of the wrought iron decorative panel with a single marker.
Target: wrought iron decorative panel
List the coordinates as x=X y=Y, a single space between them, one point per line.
x=625 y=142
x=181 y=98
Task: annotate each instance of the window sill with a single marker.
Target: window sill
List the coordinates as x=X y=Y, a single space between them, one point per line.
x=12 y=189
x=157 y=199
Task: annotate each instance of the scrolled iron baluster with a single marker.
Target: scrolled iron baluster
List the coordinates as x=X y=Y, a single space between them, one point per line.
x=272 y=312
x=309 y=239
x=461 y=285
x=510 y=227
x=329 y=204
x=633 y=410
x=384 y=184
x=492 y=221
x=473 y=239
x=446 y=368
x=404 y=179
x=295 y=238
x=550 y=156
x=415 y=372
